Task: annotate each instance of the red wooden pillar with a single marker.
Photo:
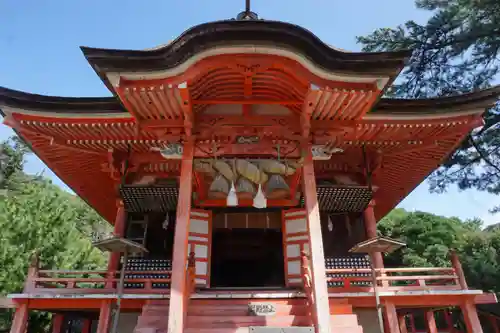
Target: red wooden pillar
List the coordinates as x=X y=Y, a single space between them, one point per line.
x=57 y=322
x=494 y=324
x=87 y=323
x=471 y=317
x=20 y=320
x=371 y=232
x=320 y=291
x=413 y=329
x=402 y=323
x=119 y=230
x=431 y=321
x=449 y=321
x=177 y=289
x=104 y=317
x=391 y=318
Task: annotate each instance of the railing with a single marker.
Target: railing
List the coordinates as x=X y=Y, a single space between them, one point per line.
x=86 y=281
x=307 y=284
x=398 y=279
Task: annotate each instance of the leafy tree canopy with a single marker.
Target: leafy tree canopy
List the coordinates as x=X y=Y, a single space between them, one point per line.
x=429 y=238
x=37 y=215
x=456 y=51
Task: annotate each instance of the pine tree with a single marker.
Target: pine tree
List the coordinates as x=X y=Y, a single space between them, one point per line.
x=456 y=51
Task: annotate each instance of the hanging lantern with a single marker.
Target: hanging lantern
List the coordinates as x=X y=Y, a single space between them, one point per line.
x=260 y=201
x=219 y=189
x=277 y=188
x=245 y=188
x=232 y=198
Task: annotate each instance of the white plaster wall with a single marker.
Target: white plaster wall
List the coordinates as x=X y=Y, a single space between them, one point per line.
x=127 y=322
x=368 y=319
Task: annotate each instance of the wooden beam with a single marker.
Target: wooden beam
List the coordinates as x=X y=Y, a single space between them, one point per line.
x=431 y=322
x=119 y=230
x=187 y=109
x=471 y=317
x=320 y=291
x=20 y=320
x=391 y=317
x=104 y=317
x=177 y=290
x=247 y=101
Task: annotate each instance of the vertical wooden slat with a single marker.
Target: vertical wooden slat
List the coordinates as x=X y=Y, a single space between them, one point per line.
x=57 y=322
x=494 y=324
x=177 y=289
x=459 y=272
x=402 y=323
x=391 y=318
x=104 y=317
x=20 y=320
x=413 y=329
x=471 y=318
x=87 y=323
x=320 y=291
x=449 y=321
x=431 y=321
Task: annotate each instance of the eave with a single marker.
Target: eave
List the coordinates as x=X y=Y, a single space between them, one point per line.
x=109 y=107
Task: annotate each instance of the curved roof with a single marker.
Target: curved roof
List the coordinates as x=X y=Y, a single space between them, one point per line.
x=252 y=32
x=237 y=62
x=35 y=102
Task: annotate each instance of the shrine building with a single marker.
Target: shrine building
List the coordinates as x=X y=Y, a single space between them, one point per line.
x=240 y=164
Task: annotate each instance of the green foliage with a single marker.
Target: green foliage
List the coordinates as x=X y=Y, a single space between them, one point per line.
x=38 y=215
x=12 y=154
x=456 y=51
x=429 y=239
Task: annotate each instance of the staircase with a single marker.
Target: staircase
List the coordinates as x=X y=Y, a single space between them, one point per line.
x=231 y=316
x=154 y=317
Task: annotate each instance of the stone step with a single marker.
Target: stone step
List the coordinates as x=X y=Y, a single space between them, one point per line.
x=344 y=320
x=245 y=321
x=345 y=329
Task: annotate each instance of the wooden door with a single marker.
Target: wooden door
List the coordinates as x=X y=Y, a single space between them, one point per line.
x=295 y=240
x=200 y=242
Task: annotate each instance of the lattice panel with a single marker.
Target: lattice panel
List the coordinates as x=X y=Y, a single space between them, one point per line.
x=343 y=199
x=143 y=264
x=348 y=262
x=144 y=199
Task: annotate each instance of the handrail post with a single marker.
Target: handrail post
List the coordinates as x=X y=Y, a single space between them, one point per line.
x=457 y=266
x=305 y=271
x=190 y=281
x=33 y=269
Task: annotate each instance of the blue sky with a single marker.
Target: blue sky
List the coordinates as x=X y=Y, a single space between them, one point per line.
x=39 y=51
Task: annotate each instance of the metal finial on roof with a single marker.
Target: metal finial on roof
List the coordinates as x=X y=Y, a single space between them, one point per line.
x=247 y=14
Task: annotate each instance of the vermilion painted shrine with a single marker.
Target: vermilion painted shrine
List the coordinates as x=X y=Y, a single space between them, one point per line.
x=264 y=155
